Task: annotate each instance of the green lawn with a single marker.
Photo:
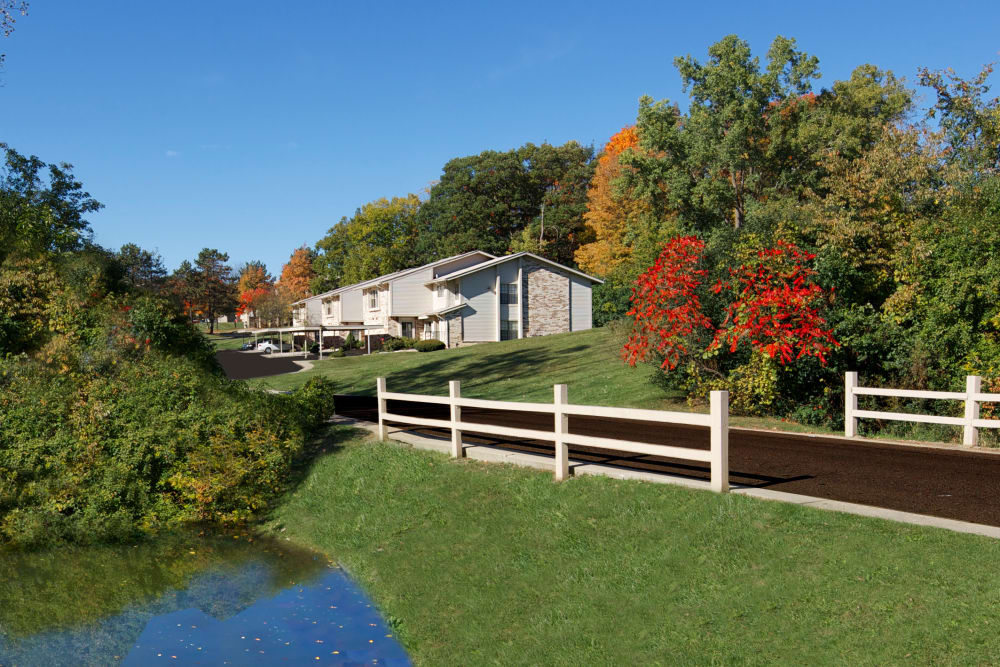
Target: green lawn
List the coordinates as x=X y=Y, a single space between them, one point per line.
x=479 y=563
x=518 y=370
x=228 y=341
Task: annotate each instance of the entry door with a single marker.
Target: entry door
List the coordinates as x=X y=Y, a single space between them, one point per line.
x=407 y=329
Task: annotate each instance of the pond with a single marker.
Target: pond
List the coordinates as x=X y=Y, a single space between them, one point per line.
x=187 y=599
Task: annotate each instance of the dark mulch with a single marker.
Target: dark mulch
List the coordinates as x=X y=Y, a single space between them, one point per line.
x=954 y=484
x=245 y=365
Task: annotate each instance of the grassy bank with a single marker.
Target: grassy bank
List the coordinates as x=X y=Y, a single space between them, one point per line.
x=481 y=563
x=517 y=370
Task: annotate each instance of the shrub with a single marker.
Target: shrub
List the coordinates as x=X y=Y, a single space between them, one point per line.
x=338 y=353
x=314 y=348
x=393 y=344
x=428 y=345
x=99 y=444
x=350 y=342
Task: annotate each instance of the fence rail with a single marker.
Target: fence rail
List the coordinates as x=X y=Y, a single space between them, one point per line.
x=717 y=421
x=973 y=397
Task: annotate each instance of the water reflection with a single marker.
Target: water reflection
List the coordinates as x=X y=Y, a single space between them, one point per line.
x=186 y=600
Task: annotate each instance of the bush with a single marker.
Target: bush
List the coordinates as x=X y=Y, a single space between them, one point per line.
x=394 y=344
x=338 y=353
x=102 y=444
x=314 y=348
x=428 y=345
x=350 y=342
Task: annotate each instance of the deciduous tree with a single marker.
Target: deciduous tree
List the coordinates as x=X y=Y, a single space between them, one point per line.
x=297 y=274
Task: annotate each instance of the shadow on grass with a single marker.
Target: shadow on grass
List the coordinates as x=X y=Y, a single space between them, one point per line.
x=432 y=377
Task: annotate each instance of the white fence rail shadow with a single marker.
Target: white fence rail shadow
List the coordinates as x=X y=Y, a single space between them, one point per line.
x=561 y=409
x=970 y=422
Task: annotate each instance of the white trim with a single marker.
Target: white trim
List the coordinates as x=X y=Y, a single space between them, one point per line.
x=506 y=258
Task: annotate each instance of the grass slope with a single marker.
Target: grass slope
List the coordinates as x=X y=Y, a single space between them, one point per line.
x=518 y=370
x=487 y=564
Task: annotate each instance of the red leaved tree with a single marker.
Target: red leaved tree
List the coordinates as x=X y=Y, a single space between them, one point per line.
x=776 y=307
x=666 y=308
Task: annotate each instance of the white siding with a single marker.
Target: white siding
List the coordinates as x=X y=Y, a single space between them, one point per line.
x=479 y=320
x=350 y=306
x=314 y=311
x=508 y=272
x=580 y=304
x=410 y=297
x=459 y=264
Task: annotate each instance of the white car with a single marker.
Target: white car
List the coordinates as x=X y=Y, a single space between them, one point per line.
x=269 y=346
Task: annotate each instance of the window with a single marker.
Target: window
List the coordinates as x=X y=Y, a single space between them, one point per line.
x=407 y=329
x=508 y=293
x=373 y=299
x=508 y=329
x=428 y=331
x=441 y=290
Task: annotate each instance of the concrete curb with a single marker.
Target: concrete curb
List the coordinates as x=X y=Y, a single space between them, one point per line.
x=498 y=455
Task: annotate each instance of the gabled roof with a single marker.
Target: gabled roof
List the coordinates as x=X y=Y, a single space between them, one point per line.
x=392 y=276
x=506 y=258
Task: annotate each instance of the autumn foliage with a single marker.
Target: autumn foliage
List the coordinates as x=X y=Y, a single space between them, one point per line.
x=774 y=307
x=297 y=274
x=665 y=304
x=609 y=212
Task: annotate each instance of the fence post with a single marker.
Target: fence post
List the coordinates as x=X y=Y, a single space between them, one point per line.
x=561 y=398
x=850 y=404
x=380 y=390
x=455 y=391
x=720 y=441
x=973 y=385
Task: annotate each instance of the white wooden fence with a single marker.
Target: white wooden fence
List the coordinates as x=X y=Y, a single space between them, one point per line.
x=970 y=423
x=717 y=421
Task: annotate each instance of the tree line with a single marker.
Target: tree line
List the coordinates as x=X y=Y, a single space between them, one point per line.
x=896 y=209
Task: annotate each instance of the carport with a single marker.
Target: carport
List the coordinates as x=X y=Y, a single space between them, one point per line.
x=304 y=330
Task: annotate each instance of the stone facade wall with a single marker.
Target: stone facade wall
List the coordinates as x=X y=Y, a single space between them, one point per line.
x=454 y=321
x=545 y=299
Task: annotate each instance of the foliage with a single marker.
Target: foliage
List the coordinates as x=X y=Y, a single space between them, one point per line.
x=253 y=275
x=617 y=219
x=351 y=342
x=99 y=442
x=493 y=202
x=430 y=345
x=379 y=239
x=666 y=307
x=395 y=344
x=297 y=274
x=8 y=8
x=141 y=269
x=39 y=215
x=773 y=306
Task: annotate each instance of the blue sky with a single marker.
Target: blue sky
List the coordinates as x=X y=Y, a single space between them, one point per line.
x=253 y=127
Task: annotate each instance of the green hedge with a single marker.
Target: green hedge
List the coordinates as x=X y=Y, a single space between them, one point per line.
x=428 y=345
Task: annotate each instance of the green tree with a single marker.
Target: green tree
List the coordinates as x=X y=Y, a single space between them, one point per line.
x=209 y=284
x=141 y=269
x=493 y=202
x=39 y=214
x=379 y=239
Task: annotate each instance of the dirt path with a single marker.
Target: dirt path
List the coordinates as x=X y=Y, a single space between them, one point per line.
x=955 y=484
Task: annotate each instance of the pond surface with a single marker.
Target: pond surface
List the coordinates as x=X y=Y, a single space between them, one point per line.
x=185 y=599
